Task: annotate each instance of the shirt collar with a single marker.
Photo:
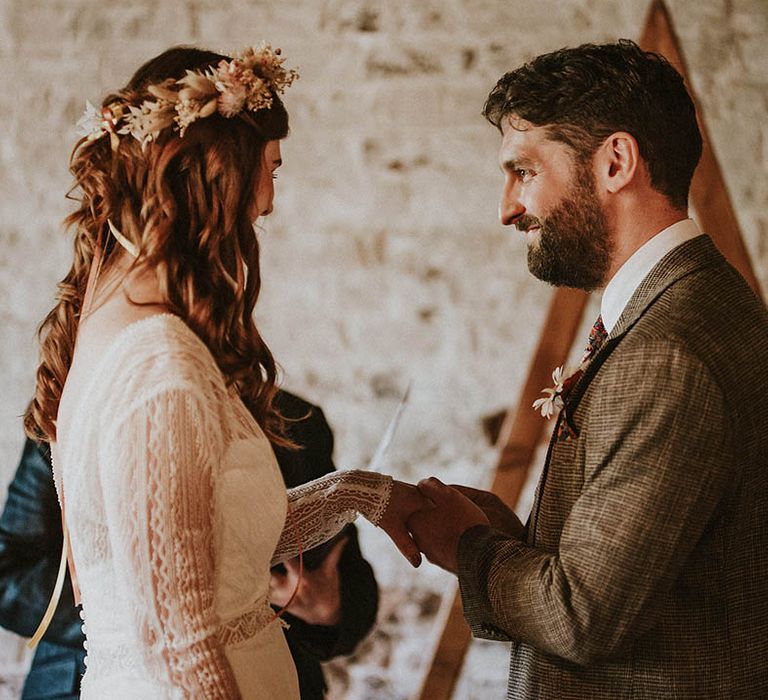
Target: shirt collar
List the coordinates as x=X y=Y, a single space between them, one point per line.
x=629 y=276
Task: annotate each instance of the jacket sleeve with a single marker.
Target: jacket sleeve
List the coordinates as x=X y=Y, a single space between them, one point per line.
x=30 y=550
x=359 y=590
x=659 y=459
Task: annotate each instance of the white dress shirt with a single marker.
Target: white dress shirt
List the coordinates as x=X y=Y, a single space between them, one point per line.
x=629 y=276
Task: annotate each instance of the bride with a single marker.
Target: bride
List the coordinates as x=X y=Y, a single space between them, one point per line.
x=155 y=390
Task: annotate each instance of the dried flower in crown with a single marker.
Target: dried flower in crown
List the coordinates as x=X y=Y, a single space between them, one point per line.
x=246 y=83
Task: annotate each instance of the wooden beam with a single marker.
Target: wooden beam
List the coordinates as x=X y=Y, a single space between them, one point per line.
x=709 y=194
x=523 y=428
x=449 y=654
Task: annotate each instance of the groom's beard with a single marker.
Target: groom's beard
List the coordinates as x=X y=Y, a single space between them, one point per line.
x=574 y=246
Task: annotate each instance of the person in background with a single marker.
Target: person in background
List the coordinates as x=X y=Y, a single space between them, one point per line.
x=334 y=608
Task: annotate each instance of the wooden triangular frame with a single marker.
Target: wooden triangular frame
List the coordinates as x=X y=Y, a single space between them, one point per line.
x=523 y=428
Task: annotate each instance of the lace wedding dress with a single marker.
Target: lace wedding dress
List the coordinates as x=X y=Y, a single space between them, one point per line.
x=176 y=509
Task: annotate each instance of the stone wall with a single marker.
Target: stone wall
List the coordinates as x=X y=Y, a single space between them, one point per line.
x=383 y=262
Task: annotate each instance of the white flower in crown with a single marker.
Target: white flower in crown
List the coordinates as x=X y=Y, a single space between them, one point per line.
x=146 y=121
x=232 y=101
x=96 y=123
x=90 y=124
x=247 y=81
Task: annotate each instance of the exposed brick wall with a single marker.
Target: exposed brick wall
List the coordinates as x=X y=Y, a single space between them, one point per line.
x=383 y=261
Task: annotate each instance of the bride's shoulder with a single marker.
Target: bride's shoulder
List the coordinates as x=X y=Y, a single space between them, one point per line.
x=161 y=350
x=157 y=370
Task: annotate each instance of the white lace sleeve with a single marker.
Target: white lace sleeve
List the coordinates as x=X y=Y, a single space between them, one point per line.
x=319 y=509
x=157 y=477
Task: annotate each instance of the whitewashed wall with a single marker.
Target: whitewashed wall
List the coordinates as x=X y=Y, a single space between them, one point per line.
x=383 y=262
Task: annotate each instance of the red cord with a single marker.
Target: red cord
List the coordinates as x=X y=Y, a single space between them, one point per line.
x=299 y=548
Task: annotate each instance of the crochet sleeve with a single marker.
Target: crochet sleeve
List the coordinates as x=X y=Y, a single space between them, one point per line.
x=319 y=509
x=160 y=463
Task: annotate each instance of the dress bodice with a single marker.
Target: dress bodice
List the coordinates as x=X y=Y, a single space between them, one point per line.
x=176 y=509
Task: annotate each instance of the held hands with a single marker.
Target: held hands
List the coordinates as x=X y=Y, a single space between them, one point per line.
x=499 y=514
x=437 y=529
x=428 y=518
x=404 y=501
x=318 y=597
x=432 y=517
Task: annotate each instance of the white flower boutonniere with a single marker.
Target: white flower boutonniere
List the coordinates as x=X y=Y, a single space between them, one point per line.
x=563 y=379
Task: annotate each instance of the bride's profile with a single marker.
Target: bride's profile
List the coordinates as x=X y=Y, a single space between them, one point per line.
x=155 y=390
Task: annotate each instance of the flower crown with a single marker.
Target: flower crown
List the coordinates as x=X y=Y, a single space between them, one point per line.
x=246 y=83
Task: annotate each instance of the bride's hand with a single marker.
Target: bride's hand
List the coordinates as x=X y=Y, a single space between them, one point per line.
x=404 y=501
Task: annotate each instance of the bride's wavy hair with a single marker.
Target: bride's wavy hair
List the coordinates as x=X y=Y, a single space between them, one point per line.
x=184 y=202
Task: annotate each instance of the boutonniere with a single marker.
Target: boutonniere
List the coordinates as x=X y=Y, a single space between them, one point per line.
x=564 y=379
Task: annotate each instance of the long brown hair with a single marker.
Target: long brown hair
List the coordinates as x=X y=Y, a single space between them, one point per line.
x=184 y=202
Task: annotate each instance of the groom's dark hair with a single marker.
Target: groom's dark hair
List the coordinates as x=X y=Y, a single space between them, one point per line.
x=584 y=94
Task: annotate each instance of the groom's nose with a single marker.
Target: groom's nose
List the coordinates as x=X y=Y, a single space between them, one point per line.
x=510 y=206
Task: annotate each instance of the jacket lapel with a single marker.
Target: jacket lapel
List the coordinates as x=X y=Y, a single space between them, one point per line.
x=687 y=258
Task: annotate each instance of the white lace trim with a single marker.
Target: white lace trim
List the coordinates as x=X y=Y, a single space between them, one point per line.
x=247 y=625
x=321 y=508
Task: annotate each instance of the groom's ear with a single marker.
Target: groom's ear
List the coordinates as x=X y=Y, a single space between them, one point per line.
x=617 y=162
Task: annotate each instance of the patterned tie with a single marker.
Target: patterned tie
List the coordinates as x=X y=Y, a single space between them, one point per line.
x=597 y=337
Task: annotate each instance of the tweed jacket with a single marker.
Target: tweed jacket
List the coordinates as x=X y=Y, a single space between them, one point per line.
x=644 y=568
x=30 y=547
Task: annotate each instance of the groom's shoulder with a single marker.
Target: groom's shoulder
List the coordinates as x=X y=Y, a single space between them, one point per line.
x=704 y=300
x=716 y=306
x=710 y=316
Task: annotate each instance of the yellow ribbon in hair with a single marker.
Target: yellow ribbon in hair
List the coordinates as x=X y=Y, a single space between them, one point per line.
x=53 y=603
x=122 y=240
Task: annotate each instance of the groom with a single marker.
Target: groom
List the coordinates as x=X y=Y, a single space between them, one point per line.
x=643 y=569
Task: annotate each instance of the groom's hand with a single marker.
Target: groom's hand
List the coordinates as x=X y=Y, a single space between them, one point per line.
x=437 y=530
x=501 y=516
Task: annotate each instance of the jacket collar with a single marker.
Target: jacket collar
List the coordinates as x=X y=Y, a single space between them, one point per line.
x=687 y=258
